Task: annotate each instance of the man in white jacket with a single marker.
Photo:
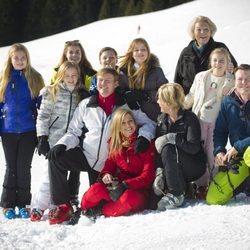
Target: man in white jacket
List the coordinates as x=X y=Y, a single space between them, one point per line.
x=93 y=115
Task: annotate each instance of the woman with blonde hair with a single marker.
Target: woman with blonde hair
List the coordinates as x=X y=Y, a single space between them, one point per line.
x=126 y=177
x=20 y=85
x=195 y=57
x=180 y=158
x=141 y=77
x=58 y=105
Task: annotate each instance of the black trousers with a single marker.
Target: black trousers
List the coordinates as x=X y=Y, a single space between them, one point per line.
x=18 y=150
x=181 y=168
x=72 y=160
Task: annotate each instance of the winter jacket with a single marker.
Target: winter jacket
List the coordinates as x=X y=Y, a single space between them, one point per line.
x=154 y=79
x=86 y=76
x=19 y=110
x=138 y=171
x=187 y=129
x=54 y=116
x=234 y=122
x=191 y=62
x=195 y=97
x=92 y=116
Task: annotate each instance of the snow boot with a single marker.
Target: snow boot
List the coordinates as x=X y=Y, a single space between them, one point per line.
x=169 y=201
x=62 y=213
x=24 y=213
x=36 y=214
x=9 y=213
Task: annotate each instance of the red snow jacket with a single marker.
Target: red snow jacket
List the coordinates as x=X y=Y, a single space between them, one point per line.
x=138 y=171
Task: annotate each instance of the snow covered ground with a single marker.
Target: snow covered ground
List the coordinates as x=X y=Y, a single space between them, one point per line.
x=196 y=225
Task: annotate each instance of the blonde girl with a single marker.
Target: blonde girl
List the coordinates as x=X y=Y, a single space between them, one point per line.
x=141 y=78
x=205 y=98
x=58 y=104
x=19 y=99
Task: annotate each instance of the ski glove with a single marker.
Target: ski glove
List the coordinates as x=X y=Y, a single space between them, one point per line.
x=56 y=152
x=163 y=140
x=132 y=98
x=158 y=185
x=141 y=145
x=43 y=145
x=118 y=191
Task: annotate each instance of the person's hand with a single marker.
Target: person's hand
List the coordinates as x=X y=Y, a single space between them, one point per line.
x=163 y=140
x=43 y=145
x=117 y=192
x=219 y=159
x=158 y=185
x=141 y=145
x=107 y=179
x=56 y=152
x=231 y=153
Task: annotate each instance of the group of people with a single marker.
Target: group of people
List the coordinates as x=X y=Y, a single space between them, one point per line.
x=143 y=142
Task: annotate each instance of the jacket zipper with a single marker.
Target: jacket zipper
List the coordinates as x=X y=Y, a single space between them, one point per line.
x=69 y=112
x=18 y=100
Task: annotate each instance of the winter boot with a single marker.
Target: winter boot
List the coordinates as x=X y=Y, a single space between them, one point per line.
x=36 y=214
x=9 y=213
x=169 y=201
x=62 y=213
x=24 y=213
x=94 y=212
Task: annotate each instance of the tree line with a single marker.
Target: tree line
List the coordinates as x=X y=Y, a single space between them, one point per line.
x=25 y=20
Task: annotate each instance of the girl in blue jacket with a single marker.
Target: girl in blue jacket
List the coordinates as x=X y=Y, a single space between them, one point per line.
x=20 y=85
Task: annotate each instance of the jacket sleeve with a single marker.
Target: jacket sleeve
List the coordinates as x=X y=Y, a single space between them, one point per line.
x=189 y=98
x=71 y=138
x=242 y=145
x=146 y=178
x=147 y=126
x=221 y=131
x=109 y=167
x=190 y=140
x=44 y=113
x=178 y=78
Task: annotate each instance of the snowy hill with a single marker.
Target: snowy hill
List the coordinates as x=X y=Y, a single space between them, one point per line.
x=197 y=226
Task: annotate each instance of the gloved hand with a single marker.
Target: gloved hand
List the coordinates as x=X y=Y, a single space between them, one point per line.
x=141 y=145
x=117 y=192
x=132 y=98
x=158 y=185
x=43 y=145
x=163 y=140
x=56 y=152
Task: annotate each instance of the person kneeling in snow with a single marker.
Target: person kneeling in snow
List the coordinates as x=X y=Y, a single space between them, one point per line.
x=126 y=177
x=233 y=122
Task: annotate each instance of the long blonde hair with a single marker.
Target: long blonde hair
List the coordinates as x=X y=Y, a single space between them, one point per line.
x=54 y=88
x=136 y=77
x=34 y=79
x=116 y=139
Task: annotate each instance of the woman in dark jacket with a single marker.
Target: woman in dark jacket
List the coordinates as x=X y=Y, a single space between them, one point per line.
x=140 y=78
x=195 y=57
x=180 y=157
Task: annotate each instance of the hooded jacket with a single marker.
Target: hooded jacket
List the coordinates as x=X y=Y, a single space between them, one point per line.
x=19 y=110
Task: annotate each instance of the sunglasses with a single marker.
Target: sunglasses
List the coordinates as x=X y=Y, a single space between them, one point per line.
x=72 y=42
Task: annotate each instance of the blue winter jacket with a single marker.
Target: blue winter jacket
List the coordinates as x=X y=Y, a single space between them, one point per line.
x=18 y=111
x=233 y=122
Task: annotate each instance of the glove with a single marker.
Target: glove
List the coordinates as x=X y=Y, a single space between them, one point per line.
x=232 y=166
x=56 y=152
x=117 y=192
x=132 y=98
x=158 y=185
x=141 y=145
x=43 y=145
x=163 y=140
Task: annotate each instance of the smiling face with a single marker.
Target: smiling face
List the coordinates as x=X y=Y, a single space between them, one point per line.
x=140 y=53
x=202 y=33
x=128 y=126
x=106 y=84
x=108 y=59
x=74 y=54
x=219 y=64
x=19 y=60
x=70 y=77
x=242 y=83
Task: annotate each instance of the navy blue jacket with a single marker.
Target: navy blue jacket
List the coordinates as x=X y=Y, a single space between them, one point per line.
x=18 y=111
x=234 y=122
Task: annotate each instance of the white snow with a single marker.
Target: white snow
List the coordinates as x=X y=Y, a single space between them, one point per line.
x=196 y=225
